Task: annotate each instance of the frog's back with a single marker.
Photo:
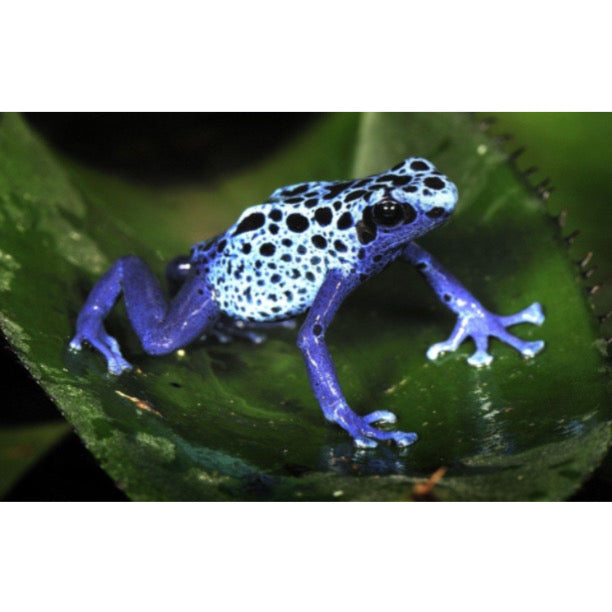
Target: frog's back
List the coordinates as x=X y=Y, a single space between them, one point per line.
x=270 y=264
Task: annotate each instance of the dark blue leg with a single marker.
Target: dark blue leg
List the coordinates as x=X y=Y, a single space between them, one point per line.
x=322 y=375
x=473 y=319
x=161 y=327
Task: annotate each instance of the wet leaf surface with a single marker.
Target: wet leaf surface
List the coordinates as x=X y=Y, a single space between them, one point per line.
x=239 y=421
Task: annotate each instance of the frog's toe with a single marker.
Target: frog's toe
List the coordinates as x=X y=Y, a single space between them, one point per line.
x=525 y=348
x=368 y=436
x=438 y=349
x=219 y=336
x=225 y=332
x=360 y=429
x=404 y=438
x=117 y=365
x=480 y=359
x=380 y=416
x=531 y=349
x=108 y=346
x=532 y=314
x=115 y=361
x=76 y=343
x=255 y=337
x=113 y=345
x=362 y=442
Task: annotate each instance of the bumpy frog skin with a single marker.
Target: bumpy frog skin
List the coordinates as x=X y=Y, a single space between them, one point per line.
x=303 y=250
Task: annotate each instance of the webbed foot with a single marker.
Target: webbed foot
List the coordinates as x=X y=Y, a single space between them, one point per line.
x=380 y=416
x=480 y=324
x=361 y=430
x=226 y=329
x=94 y=334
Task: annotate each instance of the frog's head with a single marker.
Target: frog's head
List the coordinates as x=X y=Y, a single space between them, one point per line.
x=408 y=201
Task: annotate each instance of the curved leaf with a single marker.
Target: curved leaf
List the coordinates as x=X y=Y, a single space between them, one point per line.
x=240 y=421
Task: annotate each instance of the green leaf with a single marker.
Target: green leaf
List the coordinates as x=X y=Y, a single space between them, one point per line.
x=576 y=166
x=240 y=421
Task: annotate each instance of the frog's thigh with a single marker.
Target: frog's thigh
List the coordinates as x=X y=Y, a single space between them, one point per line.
x=164 y=327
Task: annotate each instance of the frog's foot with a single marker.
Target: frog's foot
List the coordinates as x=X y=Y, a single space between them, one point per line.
x=480 y=325
x=226 y=335
x=380 y=416
x=95 y=335
x=226 y=330
x=361 y=430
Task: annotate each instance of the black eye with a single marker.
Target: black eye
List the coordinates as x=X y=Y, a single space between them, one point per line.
x=387 y=213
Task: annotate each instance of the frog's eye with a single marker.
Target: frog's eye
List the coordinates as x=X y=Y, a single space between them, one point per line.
x=387 y=213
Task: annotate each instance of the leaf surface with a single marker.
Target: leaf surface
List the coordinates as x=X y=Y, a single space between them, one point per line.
x=239 y=421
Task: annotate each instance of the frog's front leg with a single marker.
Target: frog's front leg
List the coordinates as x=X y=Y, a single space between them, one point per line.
x=161 y=327
x=473 y=319
x=322 y=375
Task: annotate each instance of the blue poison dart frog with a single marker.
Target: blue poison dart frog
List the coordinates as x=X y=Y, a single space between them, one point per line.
x=303 y=250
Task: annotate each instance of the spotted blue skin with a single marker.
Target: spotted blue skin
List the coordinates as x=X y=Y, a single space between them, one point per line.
x=303 y=250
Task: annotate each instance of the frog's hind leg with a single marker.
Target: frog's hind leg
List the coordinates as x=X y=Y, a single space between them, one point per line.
x=161 y=327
